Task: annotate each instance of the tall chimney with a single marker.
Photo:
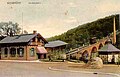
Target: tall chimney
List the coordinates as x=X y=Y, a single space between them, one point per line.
x=114 y=32
x=34 y=32
x=119 y=23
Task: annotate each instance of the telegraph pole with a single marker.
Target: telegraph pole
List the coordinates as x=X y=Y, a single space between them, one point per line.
x=22 y=22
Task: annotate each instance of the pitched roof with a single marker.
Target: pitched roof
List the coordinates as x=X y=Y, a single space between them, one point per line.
x=55 y=43
x=109 y=48
x=18 y=38
x=24 y=38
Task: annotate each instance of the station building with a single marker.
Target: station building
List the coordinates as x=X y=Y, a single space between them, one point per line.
x=23 y=47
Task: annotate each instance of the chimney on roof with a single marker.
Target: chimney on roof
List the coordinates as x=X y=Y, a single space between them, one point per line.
x=11 y=33
x=34 y=32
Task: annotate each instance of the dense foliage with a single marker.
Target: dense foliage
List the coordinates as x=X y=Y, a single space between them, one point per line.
x=80 y=35
x=7 y=27
x=57 y=55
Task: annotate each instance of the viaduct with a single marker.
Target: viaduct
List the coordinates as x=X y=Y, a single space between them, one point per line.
x=91 y=49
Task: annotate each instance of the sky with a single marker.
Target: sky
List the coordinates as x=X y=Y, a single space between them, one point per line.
x=53 y=17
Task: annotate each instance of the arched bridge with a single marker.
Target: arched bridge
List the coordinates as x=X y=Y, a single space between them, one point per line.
x=79 y=52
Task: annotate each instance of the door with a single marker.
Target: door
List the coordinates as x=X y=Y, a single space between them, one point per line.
x=41 y=56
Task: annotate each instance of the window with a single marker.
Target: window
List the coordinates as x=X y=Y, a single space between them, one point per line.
x=12 y=52
x=41 y=40
x=32 y=53
x=20 y=52
x=5 y=52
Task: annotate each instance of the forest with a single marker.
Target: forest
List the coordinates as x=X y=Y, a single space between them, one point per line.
x=81 y=35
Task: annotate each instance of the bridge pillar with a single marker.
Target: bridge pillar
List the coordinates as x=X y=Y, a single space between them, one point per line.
x=93 y=52
x=68 y=57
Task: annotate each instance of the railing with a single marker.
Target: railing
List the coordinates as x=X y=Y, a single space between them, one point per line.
x=76 y=49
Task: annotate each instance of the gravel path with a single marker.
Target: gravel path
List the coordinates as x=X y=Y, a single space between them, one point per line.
x=40 y=69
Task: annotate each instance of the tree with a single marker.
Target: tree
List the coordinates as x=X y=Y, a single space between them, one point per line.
x=7 y=27
x=25 y=32
x=80 y=35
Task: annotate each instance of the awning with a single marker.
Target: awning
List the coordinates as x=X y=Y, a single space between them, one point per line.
x=41 y=50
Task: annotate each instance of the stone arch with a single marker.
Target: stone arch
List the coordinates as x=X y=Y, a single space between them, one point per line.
x=94 y=49
x=85 y=56
x=100 y=45
x=85 y=52
x=106 y=42
x=93 y=52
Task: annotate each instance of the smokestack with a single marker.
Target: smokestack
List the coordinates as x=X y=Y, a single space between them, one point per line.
x=119 y=23
x=114 y=32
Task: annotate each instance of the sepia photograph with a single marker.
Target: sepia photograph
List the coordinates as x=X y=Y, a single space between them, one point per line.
x=60 y=38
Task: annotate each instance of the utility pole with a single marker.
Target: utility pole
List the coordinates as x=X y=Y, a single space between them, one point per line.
x=22 y=22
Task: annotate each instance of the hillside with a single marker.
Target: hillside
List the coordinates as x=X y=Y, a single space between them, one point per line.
x=80 y=35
